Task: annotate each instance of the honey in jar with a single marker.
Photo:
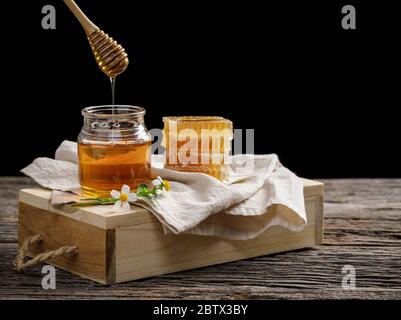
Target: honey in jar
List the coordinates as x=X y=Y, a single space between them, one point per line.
x=198 y=144
x=113 y=149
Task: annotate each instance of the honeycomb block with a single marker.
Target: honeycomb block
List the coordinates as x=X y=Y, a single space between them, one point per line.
x=198 y=144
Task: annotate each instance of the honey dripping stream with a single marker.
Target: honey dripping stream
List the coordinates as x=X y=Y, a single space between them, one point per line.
x=113 y=90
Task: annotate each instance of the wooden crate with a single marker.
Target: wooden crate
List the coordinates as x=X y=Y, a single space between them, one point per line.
x=118 y=247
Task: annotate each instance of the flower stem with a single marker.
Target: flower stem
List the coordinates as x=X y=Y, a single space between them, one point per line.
x=97 y=201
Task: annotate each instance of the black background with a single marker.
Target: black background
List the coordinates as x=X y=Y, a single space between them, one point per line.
x=323 y=98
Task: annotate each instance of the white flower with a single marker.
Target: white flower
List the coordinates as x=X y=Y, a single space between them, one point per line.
x=157 y=182
x=124 y=197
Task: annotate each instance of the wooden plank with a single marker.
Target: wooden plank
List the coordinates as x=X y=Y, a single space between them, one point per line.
x=311 y=273
x=58 y=231
x=234 y=292
x=144 y=250
x=9 y=188
x=8 y=232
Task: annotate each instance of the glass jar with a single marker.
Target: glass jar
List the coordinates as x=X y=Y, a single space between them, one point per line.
x=113 y=149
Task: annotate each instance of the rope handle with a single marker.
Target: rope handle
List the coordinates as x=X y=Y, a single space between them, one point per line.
x=20 y=264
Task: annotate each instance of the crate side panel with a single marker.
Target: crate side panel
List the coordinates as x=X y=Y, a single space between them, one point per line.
x=144 y=250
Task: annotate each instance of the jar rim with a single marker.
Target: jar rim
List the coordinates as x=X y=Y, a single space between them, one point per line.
x=110 y=111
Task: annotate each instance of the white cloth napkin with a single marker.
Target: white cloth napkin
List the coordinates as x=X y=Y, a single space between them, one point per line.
x=60 y=174
x=240 y=209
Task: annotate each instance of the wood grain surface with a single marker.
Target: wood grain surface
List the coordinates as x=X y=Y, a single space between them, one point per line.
x=362 y=228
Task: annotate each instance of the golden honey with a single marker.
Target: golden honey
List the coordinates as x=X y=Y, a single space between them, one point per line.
x=198 y=144
x=106 y=167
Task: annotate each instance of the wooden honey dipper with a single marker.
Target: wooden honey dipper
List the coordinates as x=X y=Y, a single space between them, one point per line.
x=110 y=56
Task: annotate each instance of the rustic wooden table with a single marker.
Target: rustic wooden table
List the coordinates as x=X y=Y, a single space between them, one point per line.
x=362 y=228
